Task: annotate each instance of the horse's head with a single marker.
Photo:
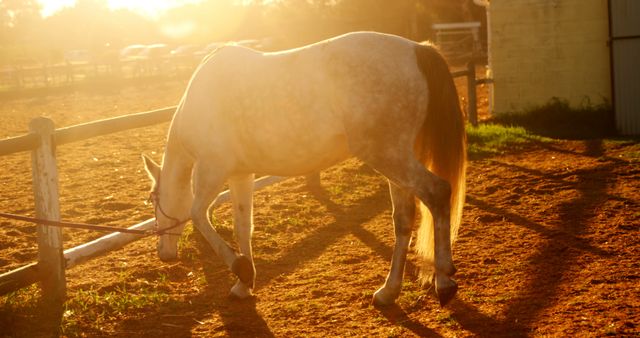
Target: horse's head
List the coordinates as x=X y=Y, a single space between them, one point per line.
x=163 y=203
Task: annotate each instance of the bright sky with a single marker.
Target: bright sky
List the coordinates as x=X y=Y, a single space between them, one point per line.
x=150 y=8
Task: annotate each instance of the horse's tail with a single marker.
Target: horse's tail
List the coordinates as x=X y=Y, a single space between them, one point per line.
x=441 y=146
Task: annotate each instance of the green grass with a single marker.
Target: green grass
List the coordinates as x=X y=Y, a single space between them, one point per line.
x=492 y=139
x=633 y=151
x=553 y=120
x=25 y=297
x=90 y=310
x=97 y=307
x=117 y=301
x=446 y=319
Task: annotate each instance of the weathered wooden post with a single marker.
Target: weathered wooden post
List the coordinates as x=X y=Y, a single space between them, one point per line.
x=472 y=107
x=45 y=189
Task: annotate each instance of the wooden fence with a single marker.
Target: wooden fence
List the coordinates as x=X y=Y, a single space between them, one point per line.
x=42 y=140
x=63 y=74
x=52 y=260
x=472 y=82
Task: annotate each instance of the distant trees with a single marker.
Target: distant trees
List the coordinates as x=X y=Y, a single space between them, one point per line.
x=26 y=37
x=90 y=24
x=17 y=18
x=298 y=22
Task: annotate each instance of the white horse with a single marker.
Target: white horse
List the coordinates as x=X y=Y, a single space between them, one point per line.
x=386 y=100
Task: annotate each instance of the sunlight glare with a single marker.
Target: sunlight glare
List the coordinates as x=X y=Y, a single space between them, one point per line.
x=149 y=8
x=49 y=7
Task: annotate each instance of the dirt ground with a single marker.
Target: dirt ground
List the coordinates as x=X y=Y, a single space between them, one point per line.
x=549 y=243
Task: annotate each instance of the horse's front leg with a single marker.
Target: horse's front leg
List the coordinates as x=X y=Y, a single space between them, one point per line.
x=207 y=184
x=404 y=212
x=242 y=198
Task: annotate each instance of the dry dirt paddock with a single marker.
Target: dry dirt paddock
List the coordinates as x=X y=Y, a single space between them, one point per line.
x=549 y=243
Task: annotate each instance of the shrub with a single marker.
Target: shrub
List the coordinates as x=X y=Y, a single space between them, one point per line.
x=557 y=119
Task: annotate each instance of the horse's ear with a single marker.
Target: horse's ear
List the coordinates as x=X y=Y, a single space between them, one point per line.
x=152 y=168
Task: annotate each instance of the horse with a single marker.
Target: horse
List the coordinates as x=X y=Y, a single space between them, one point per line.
x=386 y=100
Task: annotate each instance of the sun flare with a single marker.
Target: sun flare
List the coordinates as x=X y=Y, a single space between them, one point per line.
x=147 y=8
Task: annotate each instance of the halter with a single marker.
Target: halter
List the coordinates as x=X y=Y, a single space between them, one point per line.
x=154 y=197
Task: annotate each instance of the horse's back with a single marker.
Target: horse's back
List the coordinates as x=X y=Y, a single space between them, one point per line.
x=301 y=108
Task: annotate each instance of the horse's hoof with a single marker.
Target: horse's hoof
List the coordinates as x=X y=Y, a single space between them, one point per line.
x=446 y=289
x=382 y=298
x=232 y=296
x=243 y=268
x=240 y=291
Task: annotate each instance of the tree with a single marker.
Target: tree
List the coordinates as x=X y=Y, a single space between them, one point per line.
x=91 y=24
x=17 y=19
x=15 y=13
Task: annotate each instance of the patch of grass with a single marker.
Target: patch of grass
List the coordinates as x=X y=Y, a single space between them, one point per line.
x=411 y=298
x=335 y=189
x=557 y=119
x=27 y=296
x=446 y=319
x=123 y=297
x=633 y=154
x=491 y=139
x=472 y=296
x=397 y=332
x=221 y=223
x=292 y=309
x=504 y=298
x=186 y=245
x=100 y=307
x=89 y=311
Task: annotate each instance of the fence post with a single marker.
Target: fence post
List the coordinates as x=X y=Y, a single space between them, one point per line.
x=472 y=107
x=45 y=188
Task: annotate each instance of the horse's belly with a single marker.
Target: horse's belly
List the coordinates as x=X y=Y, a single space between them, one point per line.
x=292 y=157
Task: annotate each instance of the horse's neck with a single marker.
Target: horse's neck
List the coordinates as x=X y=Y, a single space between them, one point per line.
x=175 y=182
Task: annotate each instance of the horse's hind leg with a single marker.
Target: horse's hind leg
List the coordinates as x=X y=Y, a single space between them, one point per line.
x=408 y=173
x=207 y=184
x=403 y=219
x=242 y=198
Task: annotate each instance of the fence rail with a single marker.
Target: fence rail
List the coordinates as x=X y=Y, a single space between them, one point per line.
x=88 y=130
x=117 y=124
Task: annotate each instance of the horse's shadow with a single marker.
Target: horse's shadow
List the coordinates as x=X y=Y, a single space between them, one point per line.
x=393 y=313
x=397 y=316
x=241 y=318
